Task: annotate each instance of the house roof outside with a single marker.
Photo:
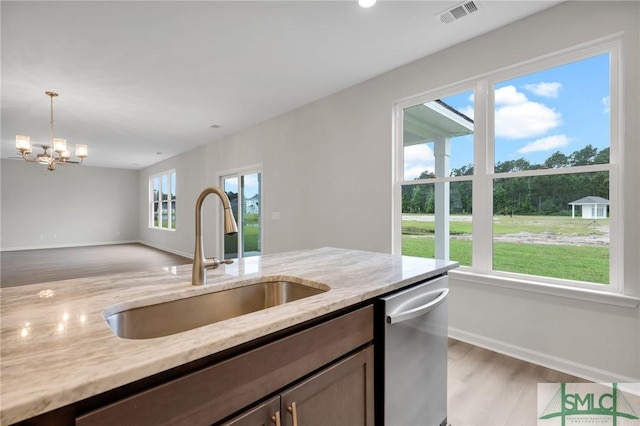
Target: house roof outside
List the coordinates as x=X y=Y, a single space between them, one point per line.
x=589 y=200
x=428 y=121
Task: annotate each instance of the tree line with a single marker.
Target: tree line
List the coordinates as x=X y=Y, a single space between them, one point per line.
x=533 y=195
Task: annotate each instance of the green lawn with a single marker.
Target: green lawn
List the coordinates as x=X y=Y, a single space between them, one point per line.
x=460 y=251
x=566 y=261
x=251 y=236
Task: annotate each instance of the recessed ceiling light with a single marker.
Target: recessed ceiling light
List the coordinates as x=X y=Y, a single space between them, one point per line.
x=366 y=3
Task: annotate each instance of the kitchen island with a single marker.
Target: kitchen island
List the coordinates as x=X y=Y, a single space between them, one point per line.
x=57 y=348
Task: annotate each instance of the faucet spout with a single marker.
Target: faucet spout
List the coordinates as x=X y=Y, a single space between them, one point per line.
x=200 y=264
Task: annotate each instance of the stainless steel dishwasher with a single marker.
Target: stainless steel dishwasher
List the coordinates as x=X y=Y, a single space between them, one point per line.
x=412 y=324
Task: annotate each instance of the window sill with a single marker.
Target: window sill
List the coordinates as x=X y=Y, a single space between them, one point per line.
x=589 y=295
x=162 y=229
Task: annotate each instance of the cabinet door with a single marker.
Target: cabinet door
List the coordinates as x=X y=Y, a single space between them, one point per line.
x=266 y=414
x=340 y=395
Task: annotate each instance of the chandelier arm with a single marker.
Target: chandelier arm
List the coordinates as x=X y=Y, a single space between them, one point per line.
x=26 y=157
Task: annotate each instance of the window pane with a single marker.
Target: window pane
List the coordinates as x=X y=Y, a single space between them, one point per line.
x=156 y=189
x=251 y=214
x=424 y=234
x=165 y=215
x=165 y=187
x=230 y=187
x=172 y=205
x=438 y=137
x=156 y=210
x=553 y=226
x=558 y=117
x=163 y=205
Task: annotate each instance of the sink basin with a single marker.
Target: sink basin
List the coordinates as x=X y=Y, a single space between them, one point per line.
x=164 y=319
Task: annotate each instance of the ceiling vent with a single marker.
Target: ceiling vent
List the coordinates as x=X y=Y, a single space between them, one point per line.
x=459 y=11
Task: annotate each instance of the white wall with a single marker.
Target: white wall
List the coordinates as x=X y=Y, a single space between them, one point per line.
x=191 y=177
x=72 y=206
x=327 y=171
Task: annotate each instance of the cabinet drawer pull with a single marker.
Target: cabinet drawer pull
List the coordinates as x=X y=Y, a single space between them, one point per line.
x=294 y=413
x=276 y=418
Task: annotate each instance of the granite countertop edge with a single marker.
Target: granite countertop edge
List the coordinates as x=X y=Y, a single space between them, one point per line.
x=57 y=348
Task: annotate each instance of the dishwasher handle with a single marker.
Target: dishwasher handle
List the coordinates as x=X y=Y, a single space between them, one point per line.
x=397 y=317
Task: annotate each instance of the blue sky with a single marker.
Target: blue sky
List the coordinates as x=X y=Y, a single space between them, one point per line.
x=559 y=109
x=251 y=185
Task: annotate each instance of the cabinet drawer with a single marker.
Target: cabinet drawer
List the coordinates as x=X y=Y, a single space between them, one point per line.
x=215 y=392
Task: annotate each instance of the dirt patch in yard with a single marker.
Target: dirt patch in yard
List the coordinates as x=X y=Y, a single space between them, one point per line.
x=526 y=237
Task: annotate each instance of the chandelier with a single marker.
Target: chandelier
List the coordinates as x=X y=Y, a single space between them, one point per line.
x=59 y=153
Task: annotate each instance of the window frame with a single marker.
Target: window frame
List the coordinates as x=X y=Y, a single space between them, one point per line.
x=171 y=181
x=484 y=162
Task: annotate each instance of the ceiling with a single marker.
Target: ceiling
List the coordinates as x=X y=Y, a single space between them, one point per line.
x=143 y=81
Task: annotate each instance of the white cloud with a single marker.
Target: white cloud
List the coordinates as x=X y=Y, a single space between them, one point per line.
x=417 y=159
x=545 y=144
x=547 y=90
x=606 y=103
x=509 y=95
x=517 y=117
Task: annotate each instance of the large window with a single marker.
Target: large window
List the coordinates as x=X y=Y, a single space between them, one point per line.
x=244 y=190
x=162 y=200
x=528 y=156
x=552 y=156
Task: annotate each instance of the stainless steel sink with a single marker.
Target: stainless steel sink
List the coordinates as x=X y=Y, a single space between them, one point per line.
x=179 y=315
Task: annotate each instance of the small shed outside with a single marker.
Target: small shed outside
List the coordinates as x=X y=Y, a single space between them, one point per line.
x=592 y=207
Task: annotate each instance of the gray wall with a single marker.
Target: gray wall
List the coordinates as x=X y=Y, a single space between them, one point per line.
x=72 y=206
x=327 y=171
x=192 y=169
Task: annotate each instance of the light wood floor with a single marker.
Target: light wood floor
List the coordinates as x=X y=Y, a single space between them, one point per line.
x=484 y=388
x=35 y=266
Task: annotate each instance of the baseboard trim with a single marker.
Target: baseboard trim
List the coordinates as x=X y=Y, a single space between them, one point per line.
x=54 y=246
x=559 y=364
x=155 y=246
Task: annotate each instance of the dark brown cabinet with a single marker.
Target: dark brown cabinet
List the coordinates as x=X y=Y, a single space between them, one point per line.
x=323 y=372
x=341 y=394
x=266 y=414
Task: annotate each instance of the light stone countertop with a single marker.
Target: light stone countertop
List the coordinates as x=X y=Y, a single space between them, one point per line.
x=56 y=347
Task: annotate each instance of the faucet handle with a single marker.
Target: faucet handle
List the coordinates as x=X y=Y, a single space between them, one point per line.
x=214 y=262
